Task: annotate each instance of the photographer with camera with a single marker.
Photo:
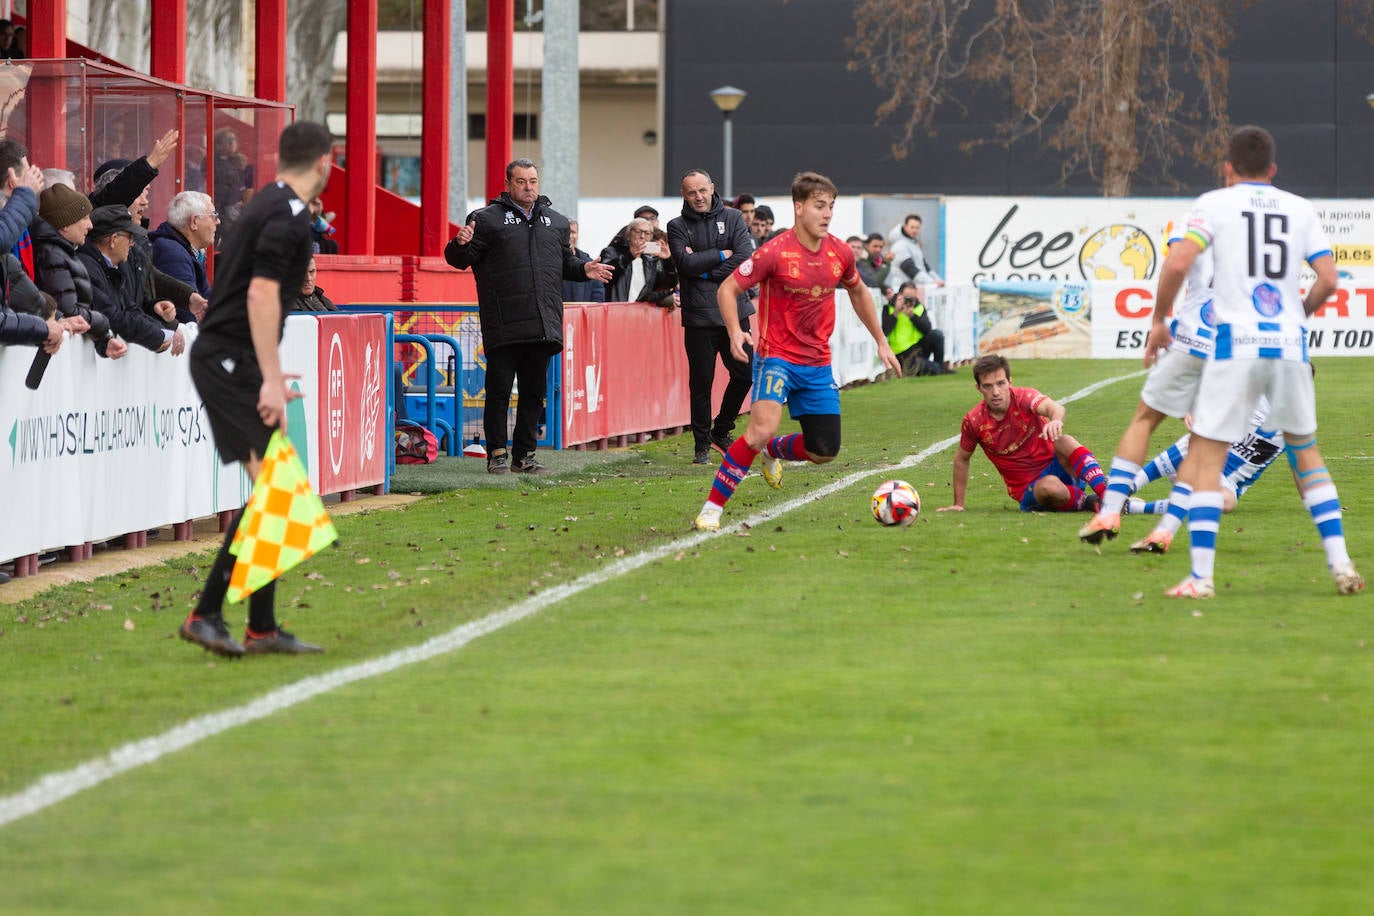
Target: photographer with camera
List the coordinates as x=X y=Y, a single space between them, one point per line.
x=919 y=346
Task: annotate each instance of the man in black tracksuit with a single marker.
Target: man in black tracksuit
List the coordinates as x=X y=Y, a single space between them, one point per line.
x=708 y=241
x=518 y=249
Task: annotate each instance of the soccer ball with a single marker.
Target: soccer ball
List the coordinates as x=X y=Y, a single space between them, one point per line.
x=895 y=503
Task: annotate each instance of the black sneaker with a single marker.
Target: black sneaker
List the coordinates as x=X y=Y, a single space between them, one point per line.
x=528 y=465
x=277 y=642
x=496 y=462
x=212 y=634
x=703 y=456
x=722 y=443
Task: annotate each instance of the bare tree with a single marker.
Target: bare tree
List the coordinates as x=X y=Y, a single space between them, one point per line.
x=1116 y=87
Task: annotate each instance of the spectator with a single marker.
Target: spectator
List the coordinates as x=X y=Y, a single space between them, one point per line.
x=26 y=328
x=920 y=348
x=581 y=290
x=59 y=176
x=908 y=260
x=312 y=297
x=643 y=272
x=179 y=243
x=156 y=284
x=131 y=176
x=116 y=292
x=19 y=197
x=20 y=47
x=8 y=51
x=873 y=266
x=708 y=241
x=194 y=177
x=517 y=247
x=762 y=227
x=744 y=203
x=646 y=211
x=64 y=220
x=320 y=229
x=856 y=245
x=232 y=178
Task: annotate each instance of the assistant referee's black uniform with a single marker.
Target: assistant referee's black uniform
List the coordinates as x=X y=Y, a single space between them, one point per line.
x=270 y=240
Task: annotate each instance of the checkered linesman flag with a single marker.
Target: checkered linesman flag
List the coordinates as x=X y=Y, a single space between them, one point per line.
x=283 y=523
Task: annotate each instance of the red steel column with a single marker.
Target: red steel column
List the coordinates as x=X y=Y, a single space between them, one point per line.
x=360 y=146
x=434 y=138
x=500 y=91
x=269 y=50
x=47 y=97
x=48 y=29
x=168 y=58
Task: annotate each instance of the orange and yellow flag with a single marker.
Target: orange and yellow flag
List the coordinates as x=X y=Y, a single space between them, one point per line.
x=283 y=523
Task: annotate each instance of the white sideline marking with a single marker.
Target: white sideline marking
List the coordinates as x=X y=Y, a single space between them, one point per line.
x=57 y=787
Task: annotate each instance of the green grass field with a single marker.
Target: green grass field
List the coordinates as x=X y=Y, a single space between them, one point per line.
x=809 y=715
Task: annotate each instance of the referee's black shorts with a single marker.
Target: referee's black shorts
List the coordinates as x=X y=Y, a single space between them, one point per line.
x=229 y=381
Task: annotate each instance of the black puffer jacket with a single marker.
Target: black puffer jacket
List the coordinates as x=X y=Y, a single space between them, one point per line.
x=700 y=272
x=520 y=266
x=62 y=275
x=118 y=295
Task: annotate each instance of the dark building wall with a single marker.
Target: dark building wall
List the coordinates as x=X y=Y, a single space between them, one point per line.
x=1296 y=69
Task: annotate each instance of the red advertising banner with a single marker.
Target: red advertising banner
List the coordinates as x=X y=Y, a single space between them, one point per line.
x=624 y=371
x=352 y=412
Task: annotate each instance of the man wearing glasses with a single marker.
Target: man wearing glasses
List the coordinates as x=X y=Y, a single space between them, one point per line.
x=180 y=243
x=114 y=291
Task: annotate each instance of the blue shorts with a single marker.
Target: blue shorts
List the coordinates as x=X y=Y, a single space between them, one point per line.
x=1028 y=503
x=804 y=389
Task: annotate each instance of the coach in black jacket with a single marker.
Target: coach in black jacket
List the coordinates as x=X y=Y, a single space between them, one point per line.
x=518 y=249
x=708 y=241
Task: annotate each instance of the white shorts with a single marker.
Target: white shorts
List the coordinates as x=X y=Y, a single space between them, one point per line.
x=1172 y=384
x=1231 y=388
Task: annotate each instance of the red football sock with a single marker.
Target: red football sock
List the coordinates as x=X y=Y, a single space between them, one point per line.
x=788 y=448
x=732 y=470
x=1083 y=465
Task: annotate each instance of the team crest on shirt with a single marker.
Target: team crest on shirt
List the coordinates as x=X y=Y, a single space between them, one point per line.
x=720 y=228
x=747 y=268
x=836 y=269
x=794 y=270
x=546 y=221
x=1208 y=314
x=1268 y=301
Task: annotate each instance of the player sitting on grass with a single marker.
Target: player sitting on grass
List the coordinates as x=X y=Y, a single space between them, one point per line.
x=1022 y=433
x=796 y=272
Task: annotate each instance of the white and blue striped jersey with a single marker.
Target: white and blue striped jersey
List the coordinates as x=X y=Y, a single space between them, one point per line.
x=1259 y=237
x=1194 y=321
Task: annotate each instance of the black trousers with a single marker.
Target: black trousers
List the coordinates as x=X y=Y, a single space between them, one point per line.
x=528 y=364
x=703 y=346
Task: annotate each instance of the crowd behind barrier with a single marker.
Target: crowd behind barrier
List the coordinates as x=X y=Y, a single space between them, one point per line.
x=105 y=449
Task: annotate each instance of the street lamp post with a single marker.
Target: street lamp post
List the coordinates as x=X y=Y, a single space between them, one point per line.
x=727 y=99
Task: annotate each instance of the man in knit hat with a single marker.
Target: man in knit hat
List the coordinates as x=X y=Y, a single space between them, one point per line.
x=64 y=219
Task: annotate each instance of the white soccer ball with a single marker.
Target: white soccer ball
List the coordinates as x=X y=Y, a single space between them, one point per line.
x=896 y=503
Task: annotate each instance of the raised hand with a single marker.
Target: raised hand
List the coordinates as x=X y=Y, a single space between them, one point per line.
x=162 y=148
x=466 y=233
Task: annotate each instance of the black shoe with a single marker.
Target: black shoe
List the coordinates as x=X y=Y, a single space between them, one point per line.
x=212 y=634
x=277 y=642
x=722 y=443
x=1092 y=503
x=496 y=462
x=528 y=465
x=703 y=456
